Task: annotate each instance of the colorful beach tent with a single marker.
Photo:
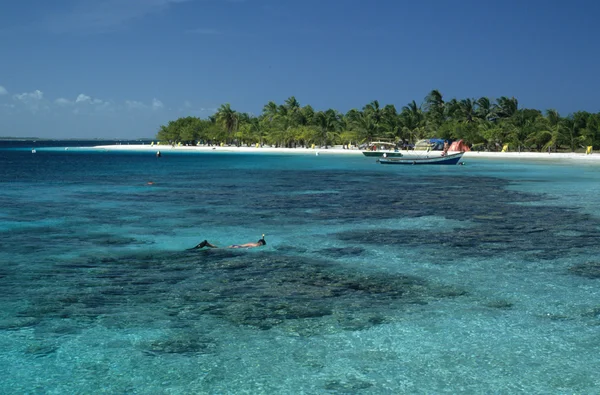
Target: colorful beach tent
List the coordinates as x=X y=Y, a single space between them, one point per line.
x=459 y=146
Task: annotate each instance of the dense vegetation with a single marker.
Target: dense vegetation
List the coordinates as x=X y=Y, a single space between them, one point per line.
x=480 y=122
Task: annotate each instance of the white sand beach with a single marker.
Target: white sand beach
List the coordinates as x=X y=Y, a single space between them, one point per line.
x=338 y=150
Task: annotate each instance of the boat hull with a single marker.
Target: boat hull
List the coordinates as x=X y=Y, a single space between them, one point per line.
x=452 y=159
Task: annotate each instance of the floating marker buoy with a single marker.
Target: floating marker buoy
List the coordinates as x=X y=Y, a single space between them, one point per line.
x=33 y=151
x=158 y=154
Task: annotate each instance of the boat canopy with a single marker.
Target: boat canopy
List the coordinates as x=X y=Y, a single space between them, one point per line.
x=380 y=145
x=384 y=143
x=431 y=144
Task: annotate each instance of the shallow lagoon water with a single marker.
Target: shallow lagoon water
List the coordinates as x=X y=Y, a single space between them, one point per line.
x=478 y=278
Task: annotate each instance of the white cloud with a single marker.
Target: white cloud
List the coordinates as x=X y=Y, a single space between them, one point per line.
x=31 y=100
x=34 y=96
x=157 y=104
x=132 y=104
x=83 y=98
x=82 y=104
x=3 y=91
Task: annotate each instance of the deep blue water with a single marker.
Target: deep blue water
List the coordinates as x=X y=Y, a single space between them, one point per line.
x=481 y=278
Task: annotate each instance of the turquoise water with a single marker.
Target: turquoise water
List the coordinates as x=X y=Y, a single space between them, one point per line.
x=481 y=278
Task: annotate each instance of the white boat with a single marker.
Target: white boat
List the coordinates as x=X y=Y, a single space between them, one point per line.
x=382 y=149
x=447 y=159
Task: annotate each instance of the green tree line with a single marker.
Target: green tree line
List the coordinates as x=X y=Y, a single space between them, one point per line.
x=482 y=123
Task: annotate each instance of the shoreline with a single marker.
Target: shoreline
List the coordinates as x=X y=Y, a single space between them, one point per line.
x=595 y=157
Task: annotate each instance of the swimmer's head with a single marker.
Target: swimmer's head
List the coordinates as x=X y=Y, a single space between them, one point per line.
x=262 y=241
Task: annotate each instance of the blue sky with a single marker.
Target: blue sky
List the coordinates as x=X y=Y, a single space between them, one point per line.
x=121 y=68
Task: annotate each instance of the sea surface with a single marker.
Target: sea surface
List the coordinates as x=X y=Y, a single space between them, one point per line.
x=483 y=278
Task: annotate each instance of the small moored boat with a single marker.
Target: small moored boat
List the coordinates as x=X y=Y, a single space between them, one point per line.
x=382 y=149
x=448 y=159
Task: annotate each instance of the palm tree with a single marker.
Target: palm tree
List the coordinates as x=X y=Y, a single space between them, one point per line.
x=270 y=110
x=434 y=101
x=307 y=113
x=505 y=107
x=589 y=127
x=434 y=109
x=572 y=134
x=484 y=109
x=555 y=129
x=328 y=124
x=413 y=110
x=365 y=127
x=245 y=128
x=292 y=109
x=451 y=109
x=493 y=133
x=227 y=118
x=412 y=121
x=374 y=111
x=466 y=110
x=497 y=122
x=390 y=122
x=292 y=104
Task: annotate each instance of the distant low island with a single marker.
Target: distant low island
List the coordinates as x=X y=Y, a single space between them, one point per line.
x=482 y=123
x=14 y=138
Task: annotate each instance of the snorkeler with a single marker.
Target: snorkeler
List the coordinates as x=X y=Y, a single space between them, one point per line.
x=259 y=243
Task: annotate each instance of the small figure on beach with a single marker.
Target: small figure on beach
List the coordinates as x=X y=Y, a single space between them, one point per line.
x=259 y=243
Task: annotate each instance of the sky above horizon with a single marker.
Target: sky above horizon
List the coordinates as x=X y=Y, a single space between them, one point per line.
x=121 y=68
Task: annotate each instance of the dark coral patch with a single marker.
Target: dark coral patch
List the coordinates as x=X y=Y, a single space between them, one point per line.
x=588 y=269
x=341 y=252
x=263 y=291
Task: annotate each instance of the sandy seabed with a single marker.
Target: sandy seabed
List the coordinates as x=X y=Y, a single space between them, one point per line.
x=338 y=150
